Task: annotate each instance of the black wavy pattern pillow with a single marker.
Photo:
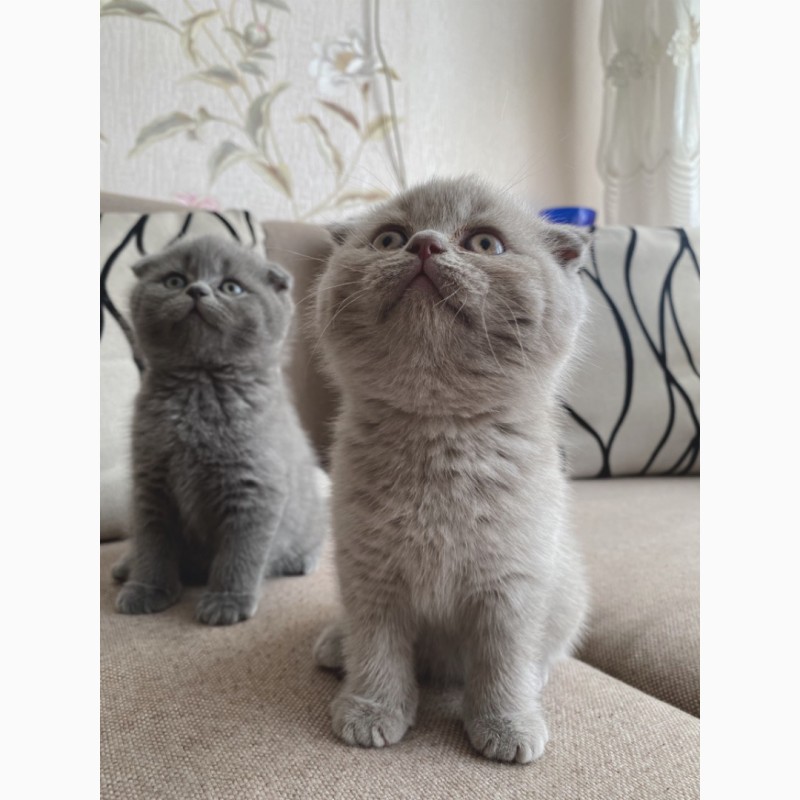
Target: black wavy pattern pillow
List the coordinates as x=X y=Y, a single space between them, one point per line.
x=633 y=402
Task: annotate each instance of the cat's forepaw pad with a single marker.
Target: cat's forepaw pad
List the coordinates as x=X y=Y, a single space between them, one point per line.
x=359 y=721
x=142 y=598
x=504 y=739
x=225 y=608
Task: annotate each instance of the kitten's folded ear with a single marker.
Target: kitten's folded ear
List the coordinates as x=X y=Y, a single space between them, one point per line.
x=569 y=245
x=278 y=278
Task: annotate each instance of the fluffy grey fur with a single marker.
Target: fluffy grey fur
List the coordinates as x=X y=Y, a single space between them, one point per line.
x=453 y=550
x=225 y=489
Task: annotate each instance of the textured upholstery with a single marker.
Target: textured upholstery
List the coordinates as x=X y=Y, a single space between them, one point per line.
x=241 y=712
x=640 y=537
x=302 y=249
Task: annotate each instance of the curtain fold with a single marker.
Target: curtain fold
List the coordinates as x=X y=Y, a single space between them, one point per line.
x=649 y=152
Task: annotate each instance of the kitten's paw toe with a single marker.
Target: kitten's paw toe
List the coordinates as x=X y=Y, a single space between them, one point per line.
x=328 y=648
x=504 y=739
x=359 y=721
x=225 y=608
x=121 y=571
x=142 y=598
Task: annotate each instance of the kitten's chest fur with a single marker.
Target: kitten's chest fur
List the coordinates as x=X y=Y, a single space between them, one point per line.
x=447 y=506
x=197 y=436
x=205 y=420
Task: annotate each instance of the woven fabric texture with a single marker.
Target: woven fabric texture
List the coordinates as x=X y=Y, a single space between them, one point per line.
x=641 y=542
x=241 y=712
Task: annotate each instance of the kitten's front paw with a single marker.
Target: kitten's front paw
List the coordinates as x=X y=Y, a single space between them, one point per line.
x=520 y=739
x=142 y=598
x=359 y=721
x=225 y=608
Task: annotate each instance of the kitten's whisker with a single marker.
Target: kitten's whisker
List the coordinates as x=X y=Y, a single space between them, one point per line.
x=519 y=335
x=460 y=309
x=488 y=339
x=361 y=238
x=341 y=307
x=525 y=171
x=271 y=250
x=382 y=307
x=383 y=185
x=445 y=299
x=315 y=291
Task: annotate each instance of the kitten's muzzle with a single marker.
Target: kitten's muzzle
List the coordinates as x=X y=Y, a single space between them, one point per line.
x=424 y=274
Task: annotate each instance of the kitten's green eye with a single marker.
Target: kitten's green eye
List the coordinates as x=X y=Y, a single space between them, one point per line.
x=486 y=243
x=389 y=240
x=230 y=287
x=174 y=281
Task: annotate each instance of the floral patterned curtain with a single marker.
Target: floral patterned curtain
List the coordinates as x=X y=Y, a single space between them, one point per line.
x=649 y=154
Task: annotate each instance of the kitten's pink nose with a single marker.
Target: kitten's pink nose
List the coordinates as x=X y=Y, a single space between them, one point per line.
x=425 y=244
x=198 y=290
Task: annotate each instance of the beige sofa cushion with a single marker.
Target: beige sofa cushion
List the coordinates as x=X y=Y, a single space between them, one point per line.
x=641 y=540
x=241 y=712
x=302 y=250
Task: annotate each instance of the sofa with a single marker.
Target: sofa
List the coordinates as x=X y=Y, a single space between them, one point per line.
x=190 y=711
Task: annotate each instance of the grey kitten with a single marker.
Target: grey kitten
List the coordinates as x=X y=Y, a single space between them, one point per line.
x=225 y=487
x=447 y=317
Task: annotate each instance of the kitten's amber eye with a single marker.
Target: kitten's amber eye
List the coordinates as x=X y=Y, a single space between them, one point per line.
x=389 y=240
x=486 y=243
x=230 y=287
x=174 y=281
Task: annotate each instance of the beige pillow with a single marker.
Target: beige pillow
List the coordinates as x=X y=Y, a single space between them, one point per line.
x=633 y=404
x=124 y=239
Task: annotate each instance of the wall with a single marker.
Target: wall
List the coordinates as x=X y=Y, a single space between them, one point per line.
x=509 y=89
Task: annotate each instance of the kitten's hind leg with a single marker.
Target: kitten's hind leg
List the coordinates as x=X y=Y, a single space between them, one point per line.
x=293 y=563
x=299 y=540
x=329 y=647
x=121 y=571
x=153 y=579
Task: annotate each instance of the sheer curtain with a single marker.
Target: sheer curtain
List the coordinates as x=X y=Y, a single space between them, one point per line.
x=649 y=150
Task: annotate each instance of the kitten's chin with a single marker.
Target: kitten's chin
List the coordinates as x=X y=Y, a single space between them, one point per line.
x=424 y=285
x=413 y=285
x=201 y=317
x=422 y=295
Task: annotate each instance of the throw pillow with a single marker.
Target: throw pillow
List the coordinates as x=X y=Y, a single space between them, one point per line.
x=633 y=403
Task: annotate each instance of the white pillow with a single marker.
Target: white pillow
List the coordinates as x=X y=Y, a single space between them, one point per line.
x=633 y=403
x=124 y=239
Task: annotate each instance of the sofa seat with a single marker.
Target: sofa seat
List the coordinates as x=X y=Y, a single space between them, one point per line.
x=640 y=537
x=190 y=711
